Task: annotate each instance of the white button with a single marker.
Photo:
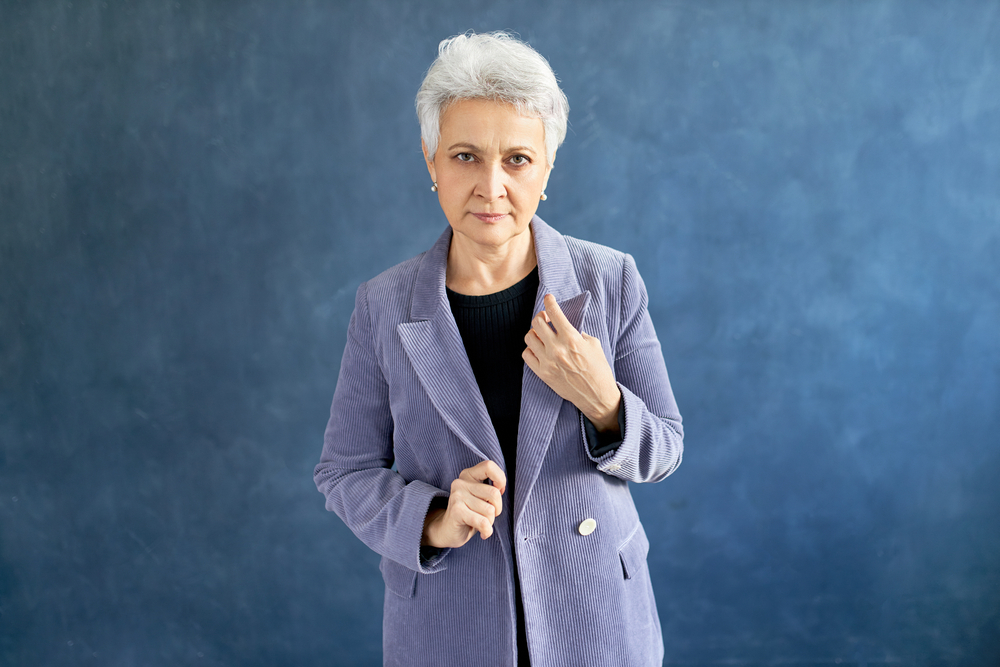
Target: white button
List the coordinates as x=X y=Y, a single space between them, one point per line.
x=587 y=526
x=613 y=467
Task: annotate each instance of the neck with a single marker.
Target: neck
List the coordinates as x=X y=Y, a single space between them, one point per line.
x=476 y=270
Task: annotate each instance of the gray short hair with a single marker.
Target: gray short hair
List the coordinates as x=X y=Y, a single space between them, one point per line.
x=493 y=66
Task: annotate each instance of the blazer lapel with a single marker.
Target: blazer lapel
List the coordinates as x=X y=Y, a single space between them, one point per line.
x=435 y=349
x=540 y=405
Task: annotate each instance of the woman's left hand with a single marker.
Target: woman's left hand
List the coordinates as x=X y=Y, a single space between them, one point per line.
x=573 y=365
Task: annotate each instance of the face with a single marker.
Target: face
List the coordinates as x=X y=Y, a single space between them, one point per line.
x=490 y=168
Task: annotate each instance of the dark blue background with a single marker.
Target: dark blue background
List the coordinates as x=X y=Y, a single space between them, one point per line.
x=191 y=192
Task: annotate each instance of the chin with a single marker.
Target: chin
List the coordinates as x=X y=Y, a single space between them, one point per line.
x=495 y=234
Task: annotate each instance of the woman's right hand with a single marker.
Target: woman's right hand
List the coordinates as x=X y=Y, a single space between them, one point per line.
x=473 y=505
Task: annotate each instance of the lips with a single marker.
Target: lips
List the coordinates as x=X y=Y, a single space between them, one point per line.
x=490 y=217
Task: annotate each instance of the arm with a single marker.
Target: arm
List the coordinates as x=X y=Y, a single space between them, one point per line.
x=376 y=503
x=395 y=518
x=574 y=366
x=653 y=440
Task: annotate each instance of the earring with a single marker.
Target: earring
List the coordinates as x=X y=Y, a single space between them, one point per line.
x=434 y=188
x=543 y=197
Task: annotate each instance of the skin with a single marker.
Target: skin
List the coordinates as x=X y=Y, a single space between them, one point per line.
x=491 y=169
x=489 y=160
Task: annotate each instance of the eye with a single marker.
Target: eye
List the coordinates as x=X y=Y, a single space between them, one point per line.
x=465 y=157
x=519 y=160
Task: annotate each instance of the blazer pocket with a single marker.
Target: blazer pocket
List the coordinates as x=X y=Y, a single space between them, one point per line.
x=633 y=553
x=400 y=580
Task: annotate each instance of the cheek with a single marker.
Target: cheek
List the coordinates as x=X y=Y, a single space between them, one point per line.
x=455 y=180
x=522 y=187
x=539 y=180
x=452 y=198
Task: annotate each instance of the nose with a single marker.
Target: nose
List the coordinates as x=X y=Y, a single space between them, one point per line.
x=493 y=183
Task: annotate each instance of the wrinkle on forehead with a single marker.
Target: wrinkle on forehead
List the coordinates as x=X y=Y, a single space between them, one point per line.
x=485 y=125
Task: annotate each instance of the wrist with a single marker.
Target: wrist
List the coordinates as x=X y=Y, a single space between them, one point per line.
x=431 y=522
x=605 y=418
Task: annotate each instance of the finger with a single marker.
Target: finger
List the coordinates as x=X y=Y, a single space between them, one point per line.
x=466 y=489
x=485 y=528
x=488 y=494
x=475 y=520
x=532 y=361
x=555 y=313
x=541 y=328
x=534 y=343
x=481 y=521
x=487 y=470
x=481 y=506
x=530 y=358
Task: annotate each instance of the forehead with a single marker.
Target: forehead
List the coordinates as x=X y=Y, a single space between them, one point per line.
x=488 y=123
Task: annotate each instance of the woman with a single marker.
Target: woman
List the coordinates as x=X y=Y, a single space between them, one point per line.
x=513 y=376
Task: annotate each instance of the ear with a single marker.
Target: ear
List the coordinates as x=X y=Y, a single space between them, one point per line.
x=430 y=162
x=548 y=172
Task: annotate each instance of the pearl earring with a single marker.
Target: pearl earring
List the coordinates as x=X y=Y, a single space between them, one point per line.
x=543 y=197
x=434 y=188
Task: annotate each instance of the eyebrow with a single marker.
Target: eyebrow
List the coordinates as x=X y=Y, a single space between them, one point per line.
x=477 y=149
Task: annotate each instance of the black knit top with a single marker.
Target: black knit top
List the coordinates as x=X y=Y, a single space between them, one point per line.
x=493 y=327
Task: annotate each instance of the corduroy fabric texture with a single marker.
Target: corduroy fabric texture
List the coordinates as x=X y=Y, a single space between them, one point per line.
x=407 y=394
x=492 y=327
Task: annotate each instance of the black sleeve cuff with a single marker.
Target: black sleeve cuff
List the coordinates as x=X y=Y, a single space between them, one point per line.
x=429 y=553
x=600 y=444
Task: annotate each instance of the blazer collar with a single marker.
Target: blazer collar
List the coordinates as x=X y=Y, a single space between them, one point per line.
x=556 y=275
x=435 y=348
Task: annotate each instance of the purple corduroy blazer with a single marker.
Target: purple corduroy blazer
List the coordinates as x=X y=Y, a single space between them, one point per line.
x=406 y=395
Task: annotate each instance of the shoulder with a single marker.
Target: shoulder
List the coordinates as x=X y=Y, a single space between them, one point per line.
x=604 y=270
x=383 y=301
x=393 y=290
x=393 y=284
x=610 y=276
x=594 y=260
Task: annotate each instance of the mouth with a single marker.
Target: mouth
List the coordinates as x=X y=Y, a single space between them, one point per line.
x=490 y=217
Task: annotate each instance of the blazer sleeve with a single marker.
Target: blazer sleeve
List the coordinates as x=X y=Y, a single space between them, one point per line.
x=653 y=438
x=354 y=473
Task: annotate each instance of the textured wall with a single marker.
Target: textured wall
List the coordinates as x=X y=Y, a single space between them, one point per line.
x=191 y=192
